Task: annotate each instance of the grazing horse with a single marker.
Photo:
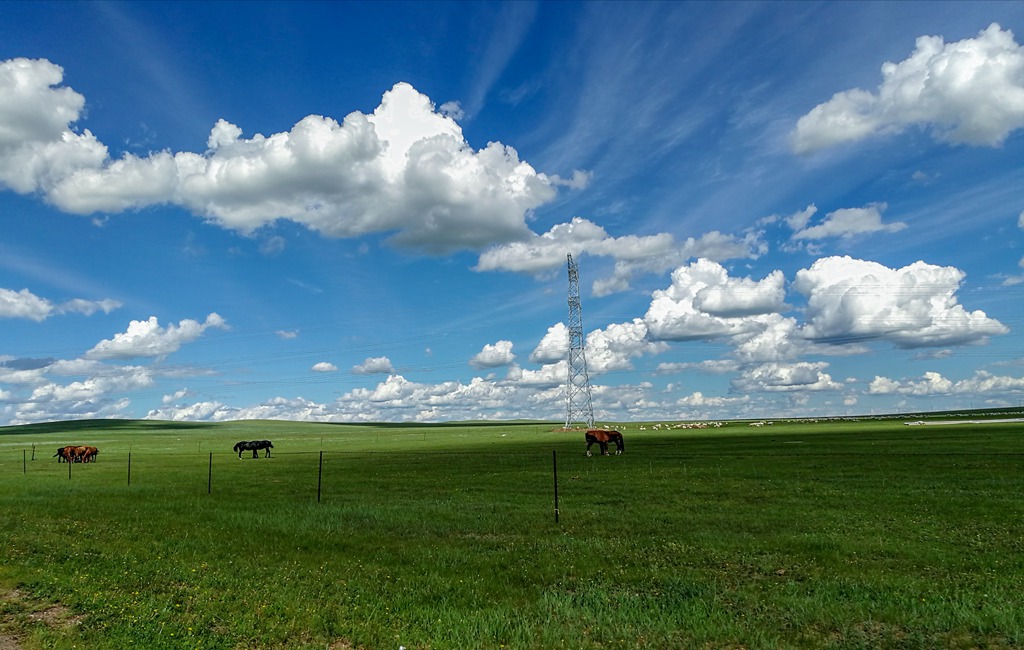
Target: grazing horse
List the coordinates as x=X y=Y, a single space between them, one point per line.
x=254 y=446
x=62 y=456
x=602 y=437
x=89 y=455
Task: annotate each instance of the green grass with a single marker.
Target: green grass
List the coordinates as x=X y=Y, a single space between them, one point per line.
x=841 y=534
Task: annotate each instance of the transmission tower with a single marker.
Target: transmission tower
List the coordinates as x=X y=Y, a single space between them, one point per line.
x=577 y=388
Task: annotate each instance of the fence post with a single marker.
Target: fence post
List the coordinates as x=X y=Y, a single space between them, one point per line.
x=24 y=464
x=209 y=476
x=319 y=476
x=129 y=468
x=70 y=463
x=554 y=467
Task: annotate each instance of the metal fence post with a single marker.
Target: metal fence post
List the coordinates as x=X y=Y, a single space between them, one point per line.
x=319 y=476
x=554 y=467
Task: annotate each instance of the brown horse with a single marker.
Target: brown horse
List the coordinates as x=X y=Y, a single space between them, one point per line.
x=602 y=437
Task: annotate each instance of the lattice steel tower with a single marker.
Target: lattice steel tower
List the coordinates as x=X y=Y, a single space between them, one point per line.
x=577 y=388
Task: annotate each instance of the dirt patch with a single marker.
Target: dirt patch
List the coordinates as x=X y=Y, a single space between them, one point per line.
x=19 y=611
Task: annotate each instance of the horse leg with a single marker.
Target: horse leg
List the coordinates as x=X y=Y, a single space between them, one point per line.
x=255 y=453
x=604 y=448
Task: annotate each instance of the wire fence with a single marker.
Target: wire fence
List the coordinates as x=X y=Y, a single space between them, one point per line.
x=315 y=474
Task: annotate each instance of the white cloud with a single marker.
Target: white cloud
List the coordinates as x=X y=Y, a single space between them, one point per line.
x=405 y=169
x=799 y=220
x=374 y=366
x=853 y=300
x=545 y=253
x=700 y=400
x=607 y=350
x=37 y=147
x=967 y=92
x=933 y=383
x=493 y=356
x=776 y=339
x=452 y=109
x=88 y=307
x=711 y=366
x=614 y=347
x=147 y=339
x=550 y=375
x=175 y=396
x=85 y=396
x=324 y=366
x=25 y=304
x=848 y=222
x=704 y=302
x=553 y=347
x=781 y=377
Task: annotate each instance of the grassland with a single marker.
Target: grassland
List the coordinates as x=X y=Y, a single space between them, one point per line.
x=799 y=535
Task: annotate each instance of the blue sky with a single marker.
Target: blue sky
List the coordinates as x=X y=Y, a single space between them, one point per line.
x=361 y=212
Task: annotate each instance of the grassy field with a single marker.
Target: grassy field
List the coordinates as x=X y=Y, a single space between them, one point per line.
x=858 y=534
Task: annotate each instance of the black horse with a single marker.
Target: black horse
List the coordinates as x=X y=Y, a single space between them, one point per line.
x=254 y=446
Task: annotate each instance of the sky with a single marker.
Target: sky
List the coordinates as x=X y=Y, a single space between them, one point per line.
x=357 y=212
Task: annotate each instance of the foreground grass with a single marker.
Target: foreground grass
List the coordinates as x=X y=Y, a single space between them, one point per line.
x=811 y=535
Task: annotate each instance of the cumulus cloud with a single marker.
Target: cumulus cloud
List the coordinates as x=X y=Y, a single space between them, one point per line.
x=147 y=339
x=374 y=366
x=613 y=348
x=967 y=92
x=607 y=350
x=550 y=375
x=553 y=347
x=324 y=366
x=846 y=223
x=405 y=169
x=91 y=397
x=782 y=377
x=933 y=383
x=545 y=253
x=37 y=146
x=851 y=300
x=25 y=304
x=704 y=302
x=493 y=356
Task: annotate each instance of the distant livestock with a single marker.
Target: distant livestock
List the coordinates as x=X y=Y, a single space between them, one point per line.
x=76 y=454
x=602 y=437
x=254 y=446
